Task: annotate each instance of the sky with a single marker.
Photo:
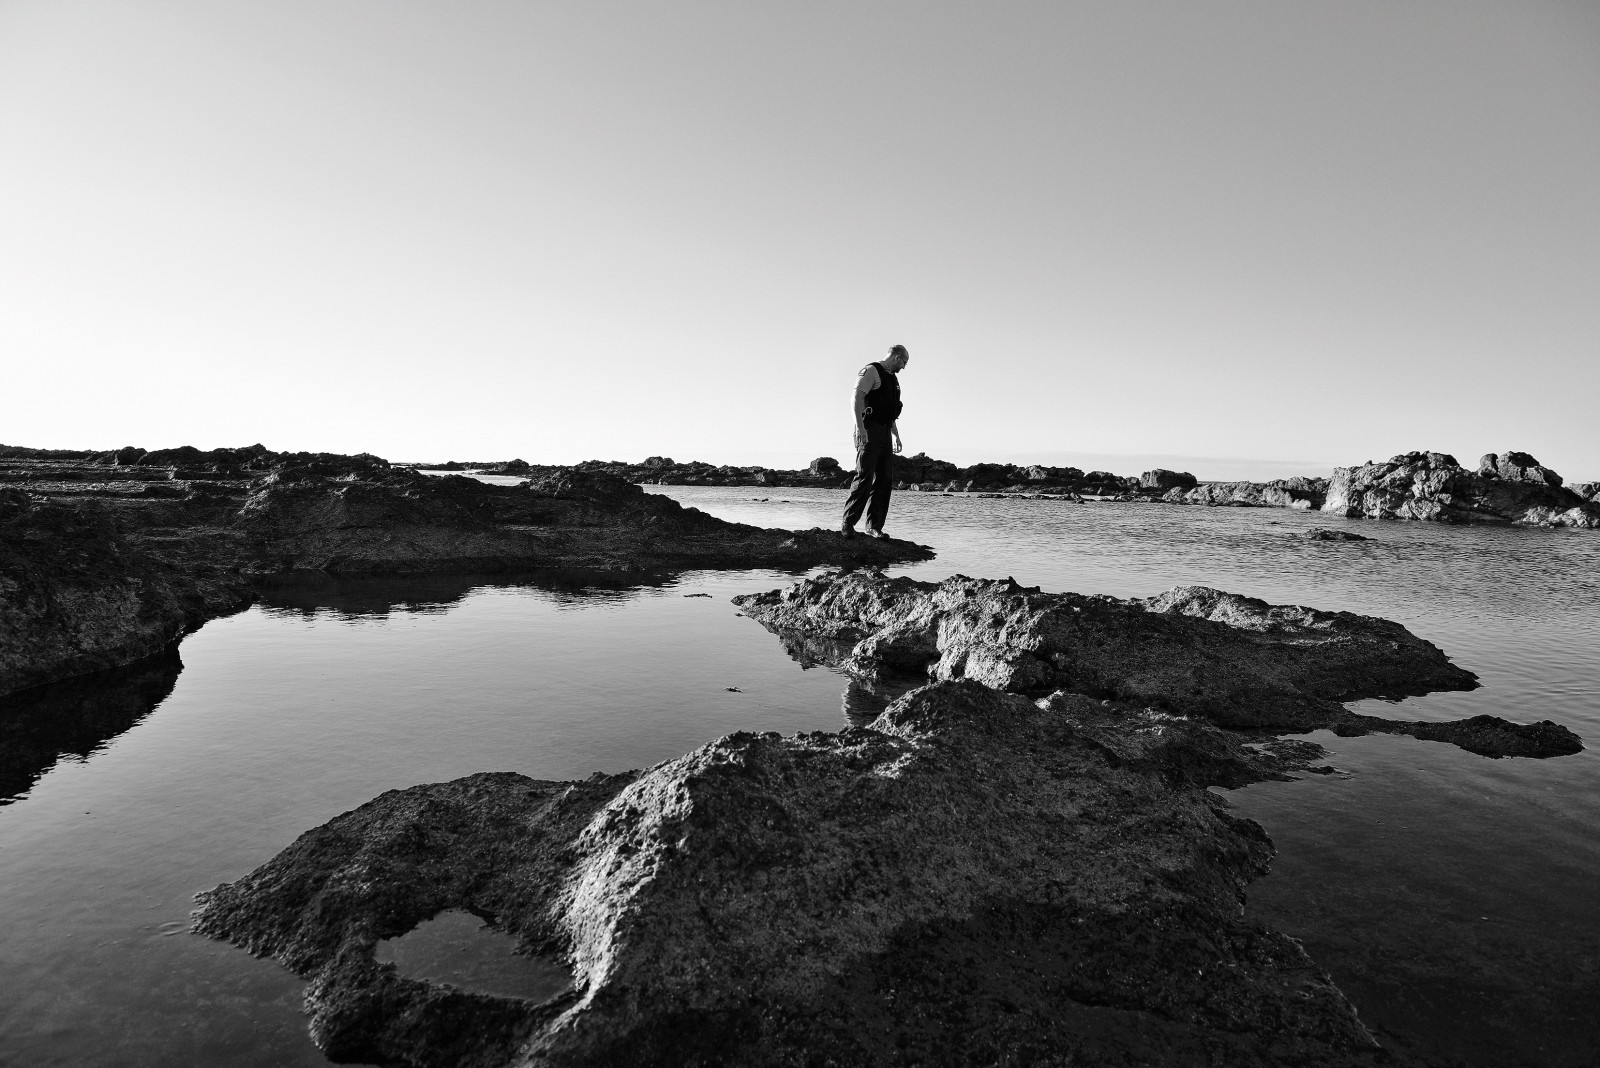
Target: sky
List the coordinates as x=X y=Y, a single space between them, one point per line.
x=1243 y=237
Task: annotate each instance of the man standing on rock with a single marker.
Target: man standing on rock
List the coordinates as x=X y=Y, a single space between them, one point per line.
x=877 y=411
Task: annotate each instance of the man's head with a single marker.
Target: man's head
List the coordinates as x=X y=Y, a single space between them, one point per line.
x=897 y=359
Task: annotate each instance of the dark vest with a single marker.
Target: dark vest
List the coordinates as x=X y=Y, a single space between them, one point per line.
x=883 y=403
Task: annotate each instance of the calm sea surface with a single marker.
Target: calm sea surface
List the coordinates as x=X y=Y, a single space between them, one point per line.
x=1456 y=899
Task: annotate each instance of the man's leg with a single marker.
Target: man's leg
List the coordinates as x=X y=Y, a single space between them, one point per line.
x=861 y=488
x=882 y=486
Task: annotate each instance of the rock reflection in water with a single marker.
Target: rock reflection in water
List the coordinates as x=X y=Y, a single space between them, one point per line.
x=75 y=717
x=459 y=948
x=863 y=701
x=309 y=594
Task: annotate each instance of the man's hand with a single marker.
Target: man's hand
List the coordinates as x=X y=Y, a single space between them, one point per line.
x=861 y=437
x=897 y=445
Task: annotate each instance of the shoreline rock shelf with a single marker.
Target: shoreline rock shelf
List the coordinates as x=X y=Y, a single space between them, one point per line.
x=1234 y=661
x=104 y=562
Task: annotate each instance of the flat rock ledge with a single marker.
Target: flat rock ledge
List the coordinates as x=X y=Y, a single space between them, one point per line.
x=974 y=878
x=103 y=563
x=1234 y=661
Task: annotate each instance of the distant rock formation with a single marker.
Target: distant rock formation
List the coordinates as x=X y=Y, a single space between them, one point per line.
x=1163 y=480
x=1507 y=487
x=825 y=467
x=919 y=471
x=1305 y=494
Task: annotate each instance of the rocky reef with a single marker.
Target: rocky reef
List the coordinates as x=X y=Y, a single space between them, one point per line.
x=1234 y=661
x=1018 y=862
x=109 y=557
x=976 y=878
x=1507 y=487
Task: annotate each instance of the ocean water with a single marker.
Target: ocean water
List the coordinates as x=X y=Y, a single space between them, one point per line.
x=1453 y=897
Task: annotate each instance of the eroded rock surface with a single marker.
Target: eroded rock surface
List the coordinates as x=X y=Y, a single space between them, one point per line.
x=77 y=595
x=1236 y=661
x=973 y=879
x=1507 y=487
x=107 y=558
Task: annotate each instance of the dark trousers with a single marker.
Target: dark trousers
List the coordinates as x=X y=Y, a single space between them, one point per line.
x=874 y=480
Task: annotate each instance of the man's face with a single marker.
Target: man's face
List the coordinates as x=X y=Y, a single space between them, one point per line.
x=897 y=362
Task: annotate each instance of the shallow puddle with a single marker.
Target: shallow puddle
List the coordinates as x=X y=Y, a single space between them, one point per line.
x=458 y=948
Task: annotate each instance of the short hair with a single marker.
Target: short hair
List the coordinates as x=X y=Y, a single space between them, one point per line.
x=899 y=350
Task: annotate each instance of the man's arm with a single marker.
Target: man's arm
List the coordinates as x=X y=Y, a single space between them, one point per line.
x=864 y=385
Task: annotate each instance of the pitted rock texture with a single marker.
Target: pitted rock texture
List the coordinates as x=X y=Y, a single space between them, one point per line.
x=106 y=559
x=974 y=878
x=1236 y=661
x=1506 y=488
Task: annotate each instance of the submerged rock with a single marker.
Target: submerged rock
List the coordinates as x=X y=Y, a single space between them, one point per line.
x=103 y=562
x=1324 y=534
x=1236 y=661
x=975 y=878
x=1506 y=488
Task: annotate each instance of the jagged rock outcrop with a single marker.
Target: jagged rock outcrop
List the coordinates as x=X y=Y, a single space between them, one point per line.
x=103 y=561
x=973 y=879
x=1164 y=481
x=1506 y=488
x=1589 y=491
x=1235 y=661
x=1305 y=494
x=825 y=467
x=1516 y=467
